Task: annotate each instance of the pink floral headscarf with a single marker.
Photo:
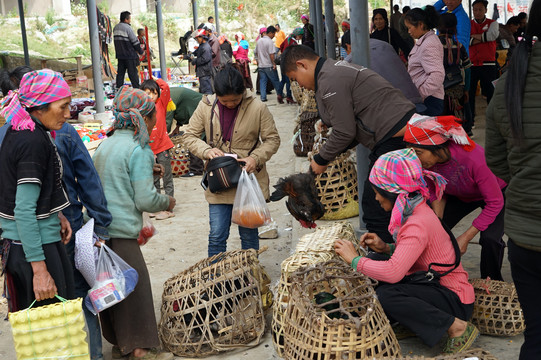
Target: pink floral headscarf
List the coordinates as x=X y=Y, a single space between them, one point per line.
x=400 y=172
x=36 y=88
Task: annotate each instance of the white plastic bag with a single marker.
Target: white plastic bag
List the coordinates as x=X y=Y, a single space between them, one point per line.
x=115 y=280
x=250 y=209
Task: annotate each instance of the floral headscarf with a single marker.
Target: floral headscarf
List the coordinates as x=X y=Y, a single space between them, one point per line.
x=129 y=107
x=400 y=172
x=36 y=88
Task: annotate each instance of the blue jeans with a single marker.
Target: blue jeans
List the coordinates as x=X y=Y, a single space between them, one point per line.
x=81 y=289
x=220 y=222
x=272 y=75
x=285 y=80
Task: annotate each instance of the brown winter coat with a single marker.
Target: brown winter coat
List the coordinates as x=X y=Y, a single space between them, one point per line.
x=254 y=124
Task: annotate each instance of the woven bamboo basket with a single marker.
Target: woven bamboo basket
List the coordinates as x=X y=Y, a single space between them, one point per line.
x=496 y=310
x=180 y=157
x=305 y=134
x=213 y=306
x=351 y=325
x=337 y=188
x=479 y=354
x=296 y=91
x=312 y=248
x=323 y=238
x=308 y=103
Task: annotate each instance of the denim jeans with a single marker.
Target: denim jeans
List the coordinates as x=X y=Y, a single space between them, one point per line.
x=285 y=81
x=220 y=222
x=271 y=74
x=81 y=289
x=164 y=159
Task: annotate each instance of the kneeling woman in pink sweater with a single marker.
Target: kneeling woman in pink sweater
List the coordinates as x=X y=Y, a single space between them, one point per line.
x=428 y=309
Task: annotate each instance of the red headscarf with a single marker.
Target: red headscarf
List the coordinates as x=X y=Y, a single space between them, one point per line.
x=437 y=130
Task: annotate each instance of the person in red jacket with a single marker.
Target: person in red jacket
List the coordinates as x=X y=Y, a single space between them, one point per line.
x=160 y=143
x=484 y=33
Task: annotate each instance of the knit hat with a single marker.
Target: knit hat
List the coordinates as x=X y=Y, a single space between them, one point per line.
x=36 y=88
x=437 y=130
x=400 y=172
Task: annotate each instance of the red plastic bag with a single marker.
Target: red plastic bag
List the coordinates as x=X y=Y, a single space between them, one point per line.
x=147 y=231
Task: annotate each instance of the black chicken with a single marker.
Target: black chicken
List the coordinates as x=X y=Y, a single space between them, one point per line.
x=303 y=201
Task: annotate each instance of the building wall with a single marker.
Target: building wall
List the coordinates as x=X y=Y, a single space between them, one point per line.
x=37 y=7
x=63 y=7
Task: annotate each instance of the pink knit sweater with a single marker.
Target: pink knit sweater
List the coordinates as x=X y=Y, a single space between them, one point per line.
x=421 y=241
x=425 y=66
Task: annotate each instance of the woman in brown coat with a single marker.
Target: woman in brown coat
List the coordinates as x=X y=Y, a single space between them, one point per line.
x=243 y=127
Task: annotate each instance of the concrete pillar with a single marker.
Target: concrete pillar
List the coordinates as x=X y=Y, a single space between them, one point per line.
x=95 y=53
x=361 y=56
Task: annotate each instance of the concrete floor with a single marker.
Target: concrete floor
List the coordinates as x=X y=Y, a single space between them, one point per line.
x=182 y=242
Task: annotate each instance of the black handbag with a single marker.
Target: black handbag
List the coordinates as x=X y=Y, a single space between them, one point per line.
x=454 y=74
x=432 y=277
x=222 y=172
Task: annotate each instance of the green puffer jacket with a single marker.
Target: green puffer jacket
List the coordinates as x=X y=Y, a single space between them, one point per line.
x=519 y=167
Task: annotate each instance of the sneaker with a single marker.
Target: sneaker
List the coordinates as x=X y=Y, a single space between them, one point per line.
x=154 y=354
x=462 y=342
x=263 y=100
x=162 y=215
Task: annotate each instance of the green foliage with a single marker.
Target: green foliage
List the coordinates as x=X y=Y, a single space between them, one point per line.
x=40 y=25
x=376 y=4
x=147 y=19
x=170 y=27
x=49 y=16
x=78 y=7
x=80 y=51
x=104 y=7
x=13 y=13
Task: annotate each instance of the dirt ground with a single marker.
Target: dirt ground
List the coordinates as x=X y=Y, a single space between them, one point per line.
x=182 y=241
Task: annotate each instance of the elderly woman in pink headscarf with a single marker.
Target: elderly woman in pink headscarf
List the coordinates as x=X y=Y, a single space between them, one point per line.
x=31 y=192
x=308 y=37
x=242 y=62
x=423 y=285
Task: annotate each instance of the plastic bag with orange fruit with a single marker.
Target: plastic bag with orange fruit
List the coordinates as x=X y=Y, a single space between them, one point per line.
x=250 y=209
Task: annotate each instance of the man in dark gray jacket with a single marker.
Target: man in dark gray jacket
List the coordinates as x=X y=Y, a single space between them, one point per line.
x=203 y=62
x=361 y=107
x=127 y=48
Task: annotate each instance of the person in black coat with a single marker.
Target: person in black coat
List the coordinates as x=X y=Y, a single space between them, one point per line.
x=382 y=31
x=202 y=59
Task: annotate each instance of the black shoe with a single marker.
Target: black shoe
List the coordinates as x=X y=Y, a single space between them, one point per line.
x=188 y=174
x=265 y=100
x=258 y=92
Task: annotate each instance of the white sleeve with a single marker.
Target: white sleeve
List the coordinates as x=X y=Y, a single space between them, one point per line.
x=492 y=33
